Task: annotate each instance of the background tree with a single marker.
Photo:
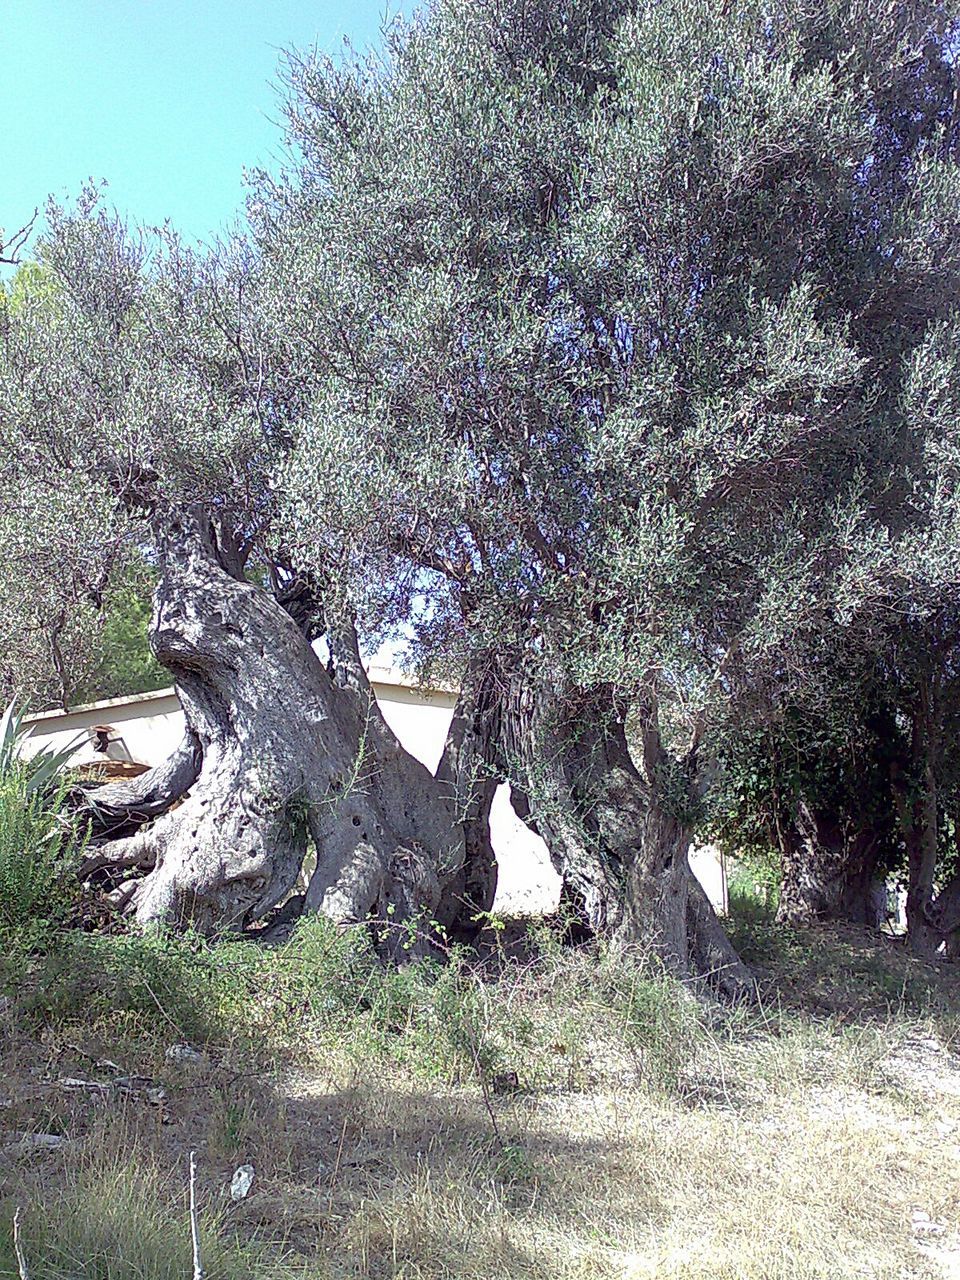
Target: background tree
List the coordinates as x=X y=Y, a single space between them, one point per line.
x=125 y=664
x=809 y=799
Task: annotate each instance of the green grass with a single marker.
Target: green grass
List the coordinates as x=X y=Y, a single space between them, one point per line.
x=545 y=1112
x=541 y=1017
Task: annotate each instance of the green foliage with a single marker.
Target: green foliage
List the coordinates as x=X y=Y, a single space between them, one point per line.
x=38 y=855
x=753 y=890
x=125 y=664
x=122 y=392
x=38 y=771
x=543 y=1020
x=836 y=766
x=39 y=845
x=606 y=353
x=630 y=335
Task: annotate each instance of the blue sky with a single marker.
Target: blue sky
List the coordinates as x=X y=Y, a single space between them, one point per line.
x=166 y=100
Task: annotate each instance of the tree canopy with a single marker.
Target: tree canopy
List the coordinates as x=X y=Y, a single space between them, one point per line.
x=633 y=332
x=606 y=350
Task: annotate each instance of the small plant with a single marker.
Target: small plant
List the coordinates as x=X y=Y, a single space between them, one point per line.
x=40 y=770
x=38 y=851
x=754 y=891
x=38 y=842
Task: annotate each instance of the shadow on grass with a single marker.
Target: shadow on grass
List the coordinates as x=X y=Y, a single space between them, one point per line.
x=850 y=974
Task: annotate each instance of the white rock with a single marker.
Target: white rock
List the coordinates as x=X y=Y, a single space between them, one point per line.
x=183 y=1053
x=89 y=1086
x=242 y=1182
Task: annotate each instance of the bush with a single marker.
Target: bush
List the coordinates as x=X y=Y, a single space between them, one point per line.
x=38 y=850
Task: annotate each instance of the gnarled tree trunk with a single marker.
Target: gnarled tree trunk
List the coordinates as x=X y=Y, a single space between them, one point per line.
x=615 y=836
x=827 y=871
x=277 y=746
x=469 y=774
x=944 y=915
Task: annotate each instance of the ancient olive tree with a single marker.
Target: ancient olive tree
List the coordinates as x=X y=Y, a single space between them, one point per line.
x=805 y=797
x=608 y=308
x=141 y=416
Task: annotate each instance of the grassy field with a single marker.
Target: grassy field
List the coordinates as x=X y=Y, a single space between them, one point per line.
x=544 y=1113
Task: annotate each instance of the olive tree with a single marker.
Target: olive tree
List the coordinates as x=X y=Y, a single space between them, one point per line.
x=608 y=309
x=862 y=768
x=142 y=415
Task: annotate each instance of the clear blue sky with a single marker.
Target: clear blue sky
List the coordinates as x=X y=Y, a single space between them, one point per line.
x=167 y=100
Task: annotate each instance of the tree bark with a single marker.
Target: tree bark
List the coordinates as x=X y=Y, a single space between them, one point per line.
x=944 y=914
x=469 y=774
x=922 y=837
x=285 y=749
x=617 y=837
x=827 y=873
x=116 y=809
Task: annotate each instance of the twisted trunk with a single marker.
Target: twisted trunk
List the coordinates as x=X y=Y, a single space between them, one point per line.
x=617 y=837
x=116 y=809
x=469 y=774
x=944 y=915
x=827 y=873
x=285 y=747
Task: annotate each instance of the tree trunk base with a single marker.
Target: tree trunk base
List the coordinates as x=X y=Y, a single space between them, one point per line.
x=276 y=748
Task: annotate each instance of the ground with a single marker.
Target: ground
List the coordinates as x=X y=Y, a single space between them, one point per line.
x=544 y=1113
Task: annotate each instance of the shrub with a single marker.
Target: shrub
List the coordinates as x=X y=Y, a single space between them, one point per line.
x=38 y=850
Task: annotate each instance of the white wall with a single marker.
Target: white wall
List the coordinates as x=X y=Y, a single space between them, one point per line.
x=527 y=882
x=145 y=728
x=148 y=727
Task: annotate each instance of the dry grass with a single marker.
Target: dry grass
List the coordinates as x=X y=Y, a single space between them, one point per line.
x=645 y=1140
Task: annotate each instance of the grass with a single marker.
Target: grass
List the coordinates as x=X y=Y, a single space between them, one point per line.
x=547 y=1113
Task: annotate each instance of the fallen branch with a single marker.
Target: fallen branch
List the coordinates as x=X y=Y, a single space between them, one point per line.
x=18 y=1248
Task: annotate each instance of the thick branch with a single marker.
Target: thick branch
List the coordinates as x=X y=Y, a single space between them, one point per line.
x=116 y=806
